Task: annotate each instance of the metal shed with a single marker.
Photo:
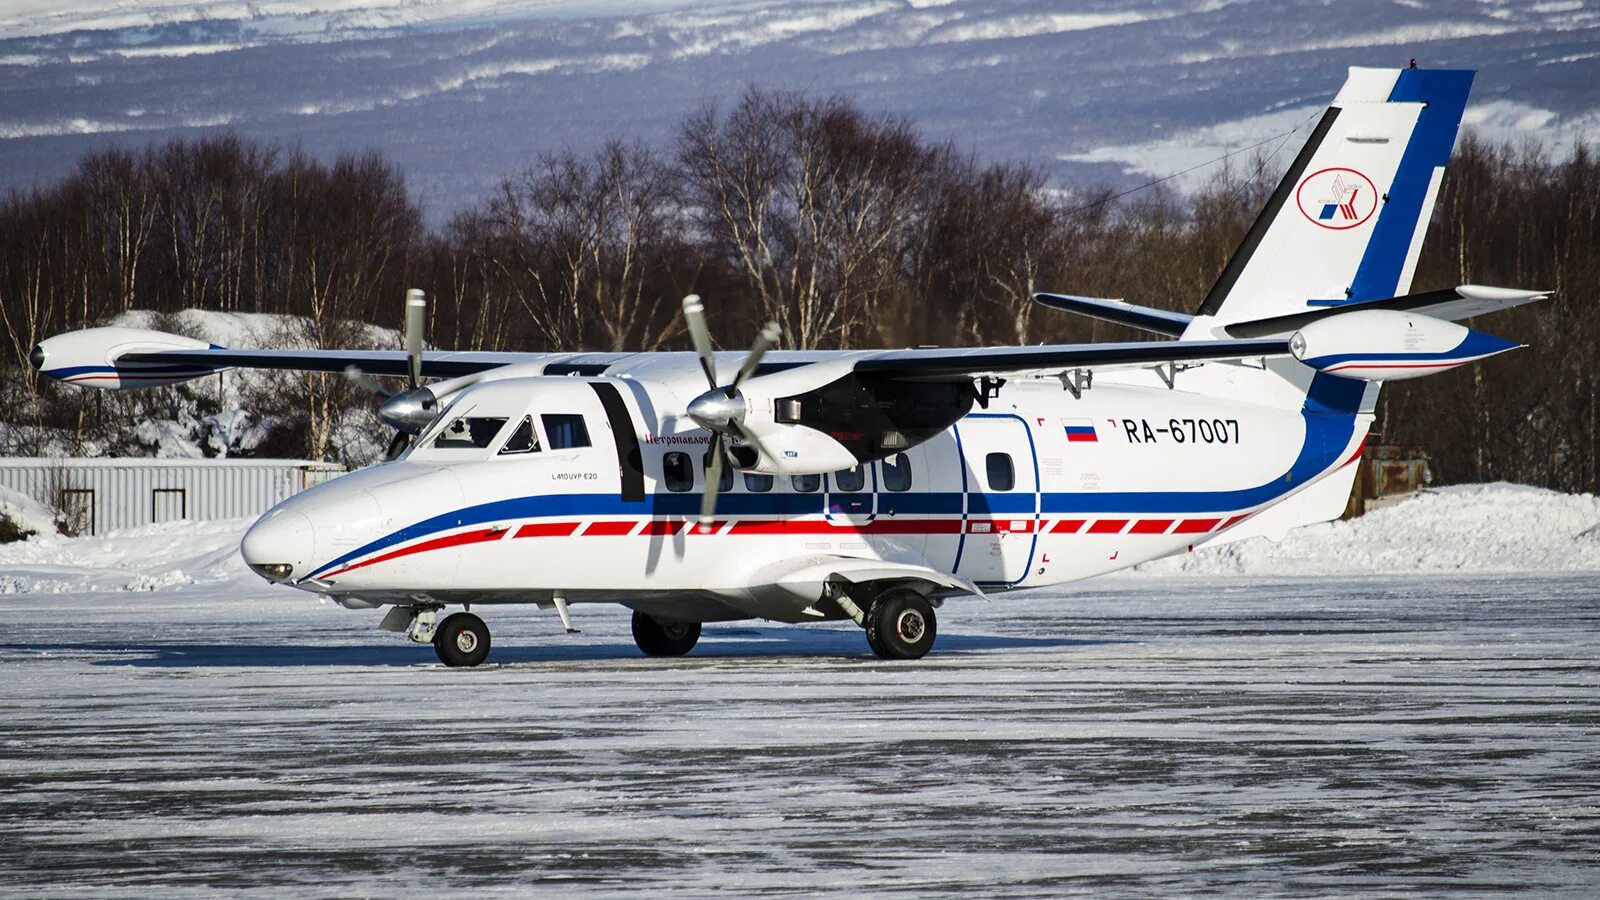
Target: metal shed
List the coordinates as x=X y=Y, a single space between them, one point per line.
x=97 y=495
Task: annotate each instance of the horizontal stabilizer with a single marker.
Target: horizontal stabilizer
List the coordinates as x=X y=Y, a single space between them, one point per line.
x=1451 y=305
x=1121 y=312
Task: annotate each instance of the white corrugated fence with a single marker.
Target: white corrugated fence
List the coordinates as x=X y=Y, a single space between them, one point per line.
x=97 y=495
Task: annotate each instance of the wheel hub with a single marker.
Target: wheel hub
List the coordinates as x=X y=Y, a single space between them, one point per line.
x=910 y=626
x=466 y=641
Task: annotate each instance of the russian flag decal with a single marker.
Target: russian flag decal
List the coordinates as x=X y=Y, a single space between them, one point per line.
x=1080 y=431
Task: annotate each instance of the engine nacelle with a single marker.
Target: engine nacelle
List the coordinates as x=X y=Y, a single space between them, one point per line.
x=1386 y=345
x=824 y=417
x=90 y=358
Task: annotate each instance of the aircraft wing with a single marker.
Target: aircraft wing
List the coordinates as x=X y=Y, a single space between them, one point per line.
x=115 y=357
x=957 y=364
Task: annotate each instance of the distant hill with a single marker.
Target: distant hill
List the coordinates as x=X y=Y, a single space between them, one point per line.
x=462 y=93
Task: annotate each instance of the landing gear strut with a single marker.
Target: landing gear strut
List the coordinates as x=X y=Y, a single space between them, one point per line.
x=901 y=625
x=657 y=638
x=461 y=640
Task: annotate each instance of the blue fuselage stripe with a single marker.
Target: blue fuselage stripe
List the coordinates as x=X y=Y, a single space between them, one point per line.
x=1326 y=439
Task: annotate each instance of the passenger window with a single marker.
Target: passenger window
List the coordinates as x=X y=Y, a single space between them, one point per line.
x=523 y=440
x=565 y=431
x=757 y=484
x=850 y=480
x=468 y=433
x=677 y=473
x=806 y=484
x=725 y=483
x=1002 y=477
x=897 y=472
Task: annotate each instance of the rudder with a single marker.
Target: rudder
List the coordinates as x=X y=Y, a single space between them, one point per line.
x=1346 y=222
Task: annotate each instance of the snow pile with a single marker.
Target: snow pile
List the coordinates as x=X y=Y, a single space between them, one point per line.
x=1468 y=528
x=148 y=558
x=26 y=512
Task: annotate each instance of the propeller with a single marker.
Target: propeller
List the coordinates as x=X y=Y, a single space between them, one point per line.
x=721 y=409
x=408 y=411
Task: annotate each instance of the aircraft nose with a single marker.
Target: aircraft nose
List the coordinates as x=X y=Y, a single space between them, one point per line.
x=279 y=546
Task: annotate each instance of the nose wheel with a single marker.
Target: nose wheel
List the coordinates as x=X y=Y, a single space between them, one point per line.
x=461 y=640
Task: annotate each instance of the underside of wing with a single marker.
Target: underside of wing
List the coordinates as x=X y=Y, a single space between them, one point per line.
x=933 y=364
x=135 y=358
x=371 y=362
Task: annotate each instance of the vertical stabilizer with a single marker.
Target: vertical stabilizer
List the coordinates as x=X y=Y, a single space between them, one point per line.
x=1347 y=221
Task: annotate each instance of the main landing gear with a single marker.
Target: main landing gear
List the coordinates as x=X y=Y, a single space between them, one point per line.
x=657 y=638
x=900 y=624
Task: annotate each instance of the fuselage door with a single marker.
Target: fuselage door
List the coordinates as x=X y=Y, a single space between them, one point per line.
x=1001 y=524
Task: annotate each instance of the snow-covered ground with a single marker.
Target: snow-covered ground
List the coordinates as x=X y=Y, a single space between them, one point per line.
x=171 y=726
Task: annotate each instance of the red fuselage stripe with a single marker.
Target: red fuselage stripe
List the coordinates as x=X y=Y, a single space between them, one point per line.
x=671 y=527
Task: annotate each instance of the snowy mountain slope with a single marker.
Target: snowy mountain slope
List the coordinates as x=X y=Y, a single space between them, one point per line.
x=461 y=94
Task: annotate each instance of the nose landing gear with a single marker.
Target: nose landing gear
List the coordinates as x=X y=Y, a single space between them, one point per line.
x=461 y=640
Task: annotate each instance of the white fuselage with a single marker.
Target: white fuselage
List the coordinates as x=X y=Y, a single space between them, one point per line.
x=1040 y=487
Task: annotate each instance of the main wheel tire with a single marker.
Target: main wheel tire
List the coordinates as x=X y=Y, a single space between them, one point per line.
x=901 y=625
x=461 y=640
x=658 y=638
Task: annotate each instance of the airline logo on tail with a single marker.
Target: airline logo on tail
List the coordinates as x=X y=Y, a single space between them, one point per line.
x=1337 y=198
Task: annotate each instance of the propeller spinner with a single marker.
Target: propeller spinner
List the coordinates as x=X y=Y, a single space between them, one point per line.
x=408 y=411
x=721 y=409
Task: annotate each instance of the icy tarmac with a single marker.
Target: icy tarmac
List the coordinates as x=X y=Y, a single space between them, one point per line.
x=1149 y=735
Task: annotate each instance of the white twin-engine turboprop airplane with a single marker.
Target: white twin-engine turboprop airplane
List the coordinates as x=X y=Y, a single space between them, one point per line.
x=871 y=485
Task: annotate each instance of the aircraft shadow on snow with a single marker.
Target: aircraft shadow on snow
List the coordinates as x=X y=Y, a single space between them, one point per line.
x=755 y=644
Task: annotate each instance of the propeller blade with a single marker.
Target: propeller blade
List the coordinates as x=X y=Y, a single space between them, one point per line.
x=764 y=341
x=416 y=307
x=708 y=500
x=749 y=437
x=397 y=446
x=694 y=315
x=367 y=382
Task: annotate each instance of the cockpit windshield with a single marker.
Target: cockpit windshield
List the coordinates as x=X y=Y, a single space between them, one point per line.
x=522 y=440
x=469 y=433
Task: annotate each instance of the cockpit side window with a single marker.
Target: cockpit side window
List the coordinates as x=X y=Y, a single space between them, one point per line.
x=565 y=431
x=522 y=440
x=469 y=433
